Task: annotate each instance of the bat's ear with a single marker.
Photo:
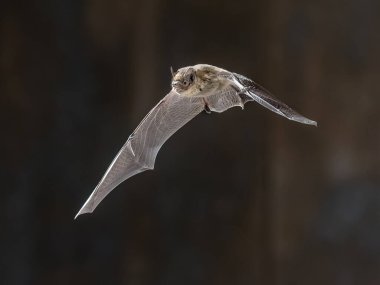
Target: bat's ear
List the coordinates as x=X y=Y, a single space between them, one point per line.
x=172 y=71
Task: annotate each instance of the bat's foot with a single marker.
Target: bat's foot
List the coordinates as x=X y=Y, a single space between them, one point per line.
x=244 y=96
x=207 y=109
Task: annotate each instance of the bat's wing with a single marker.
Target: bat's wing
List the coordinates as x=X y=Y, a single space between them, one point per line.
x=139 y=152
x=249 y=90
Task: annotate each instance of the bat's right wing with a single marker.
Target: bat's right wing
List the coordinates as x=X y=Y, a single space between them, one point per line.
x=139 y=152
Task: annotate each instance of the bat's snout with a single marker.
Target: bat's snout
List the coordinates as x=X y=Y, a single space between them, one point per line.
x=176 y=83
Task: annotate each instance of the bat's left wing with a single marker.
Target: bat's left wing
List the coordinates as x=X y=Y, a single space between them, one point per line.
x=139 y=152
x=248 y=90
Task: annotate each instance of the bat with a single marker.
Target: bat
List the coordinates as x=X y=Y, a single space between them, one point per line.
x=195 y=89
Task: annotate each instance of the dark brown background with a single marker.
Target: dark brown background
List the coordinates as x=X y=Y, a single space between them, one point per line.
x=243 y=197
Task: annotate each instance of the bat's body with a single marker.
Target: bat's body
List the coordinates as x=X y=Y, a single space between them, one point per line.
x=194 y=89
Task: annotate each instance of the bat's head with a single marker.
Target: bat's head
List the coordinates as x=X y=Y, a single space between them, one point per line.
x=194 y=80
x=183 y=79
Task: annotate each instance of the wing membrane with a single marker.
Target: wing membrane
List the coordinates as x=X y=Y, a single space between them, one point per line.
x=139 y=152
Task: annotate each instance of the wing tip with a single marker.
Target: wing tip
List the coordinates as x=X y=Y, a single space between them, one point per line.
x=311 y=122
x=81 y=212
x=303 y=120
x=86 y=209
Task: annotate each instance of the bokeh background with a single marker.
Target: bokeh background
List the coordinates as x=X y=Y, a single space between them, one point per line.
x=243 y=197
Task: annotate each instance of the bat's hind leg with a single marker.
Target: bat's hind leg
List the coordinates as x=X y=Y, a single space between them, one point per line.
x=244 y=95
x=206 y=107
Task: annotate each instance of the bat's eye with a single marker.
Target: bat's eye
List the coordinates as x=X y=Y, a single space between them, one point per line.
x=188 y=80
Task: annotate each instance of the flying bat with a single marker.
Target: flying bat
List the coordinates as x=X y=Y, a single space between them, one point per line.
x=195 y=89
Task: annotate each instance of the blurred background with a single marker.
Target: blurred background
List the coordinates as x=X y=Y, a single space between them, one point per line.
x=243 y=197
